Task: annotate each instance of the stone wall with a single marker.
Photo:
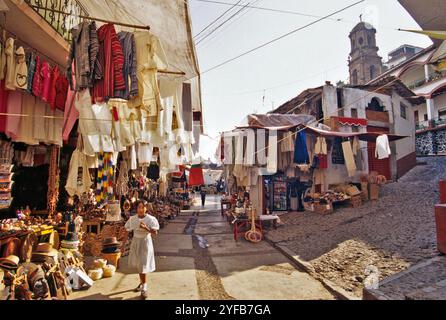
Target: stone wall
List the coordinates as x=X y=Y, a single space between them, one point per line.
x=431 y=142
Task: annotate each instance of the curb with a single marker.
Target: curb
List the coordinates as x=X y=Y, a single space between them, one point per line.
x=337 y=291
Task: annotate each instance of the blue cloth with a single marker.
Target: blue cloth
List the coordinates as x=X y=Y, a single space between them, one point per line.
x=300 y=151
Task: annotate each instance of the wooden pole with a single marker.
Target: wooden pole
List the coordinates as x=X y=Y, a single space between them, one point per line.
x=98 y=19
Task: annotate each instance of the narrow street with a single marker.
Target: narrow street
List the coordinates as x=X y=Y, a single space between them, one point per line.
x=197 y=258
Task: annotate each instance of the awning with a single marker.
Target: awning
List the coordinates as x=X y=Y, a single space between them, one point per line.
x=439 y=35
x=429 y=14
x=275 y=121
x=368 y=136
x=355 y=122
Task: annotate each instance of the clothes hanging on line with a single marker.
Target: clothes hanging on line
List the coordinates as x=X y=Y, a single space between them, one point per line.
x=349 y=158
x=321 y=146
x=382 y=150
x=301 y=155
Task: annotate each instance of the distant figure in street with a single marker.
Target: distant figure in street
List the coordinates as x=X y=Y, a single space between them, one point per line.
x=203 y=197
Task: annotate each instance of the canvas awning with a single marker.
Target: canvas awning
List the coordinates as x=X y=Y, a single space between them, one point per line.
x=368 y=136
x=275 y=121
x=429 y=14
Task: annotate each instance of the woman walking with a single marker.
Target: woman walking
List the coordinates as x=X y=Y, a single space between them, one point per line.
x=142 y=256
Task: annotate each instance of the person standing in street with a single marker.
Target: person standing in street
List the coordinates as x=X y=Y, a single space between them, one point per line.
x=142 y=256
x=203 y=196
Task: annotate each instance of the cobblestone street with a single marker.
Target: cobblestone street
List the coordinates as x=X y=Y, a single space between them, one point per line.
x=392 y=233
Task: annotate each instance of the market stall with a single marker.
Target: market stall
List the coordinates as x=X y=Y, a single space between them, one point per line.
x=298 y=165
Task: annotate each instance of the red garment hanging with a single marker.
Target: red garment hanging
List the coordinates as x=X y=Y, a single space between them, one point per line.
x=55 y=74
x=111 y=57
x=323 y=161
x=61 y=93
x=37 y=80
x=196 y=176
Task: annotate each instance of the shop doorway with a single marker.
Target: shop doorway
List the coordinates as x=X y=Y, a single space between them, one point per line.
x=380 y=166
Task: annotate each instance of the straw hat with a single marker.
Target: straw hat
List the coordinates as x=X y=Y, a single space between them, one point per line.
x=10 y=262
x=44 y=250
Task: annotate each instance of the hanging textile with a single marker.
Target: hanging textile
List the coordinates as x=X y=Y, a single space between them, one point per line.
x=272 y=152
x=83 y=57
x=122 y=184
x=150 y=57
x=128 y=44
x=21 y=70
x=239 y=148
x=250 y=148
x=382 y=150
x=196 y=176
x=287 y=144
x=349 y=159
x=111 y=58
x=31 y=62
x=321 y=146
x=337 y=155
x=10 y=65
x=105 y=178
x=322 y=161
x=2 y=61
x=301 y=155
x=153 y=172
x=78 y=181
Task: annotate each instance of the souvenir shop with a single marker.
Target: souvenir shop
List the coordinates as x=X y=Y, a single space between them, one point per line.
x=306 y=168
x=79 y=145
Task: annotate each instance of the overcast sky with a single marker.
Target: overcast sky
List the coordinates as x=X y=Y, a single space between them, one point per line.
x=274 y=74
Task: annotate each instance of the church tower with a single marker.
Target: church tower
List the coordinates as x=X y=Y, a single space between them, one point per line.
x=364 y=62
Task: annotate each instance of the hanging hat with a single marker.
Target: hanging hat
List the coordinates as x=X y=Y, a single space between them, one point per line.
x=10 y=262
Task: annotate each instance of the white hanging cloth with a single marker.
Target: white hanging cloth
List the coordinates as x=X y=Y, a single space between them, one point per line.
x=382 y=150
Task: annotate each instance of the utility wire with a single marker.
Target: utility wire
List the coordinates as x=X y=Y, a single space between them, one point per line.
x=222 y=24
x=269 y=9
x=281 y=37
x=210 y=40
x=214 y=21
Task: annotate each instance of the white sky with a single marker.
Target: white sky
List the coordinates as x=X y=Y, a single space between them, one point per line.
x=303 y=60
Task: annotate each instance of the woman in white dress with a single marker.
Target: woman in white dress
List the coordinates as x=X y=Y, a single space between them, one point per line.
x=142 y=256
